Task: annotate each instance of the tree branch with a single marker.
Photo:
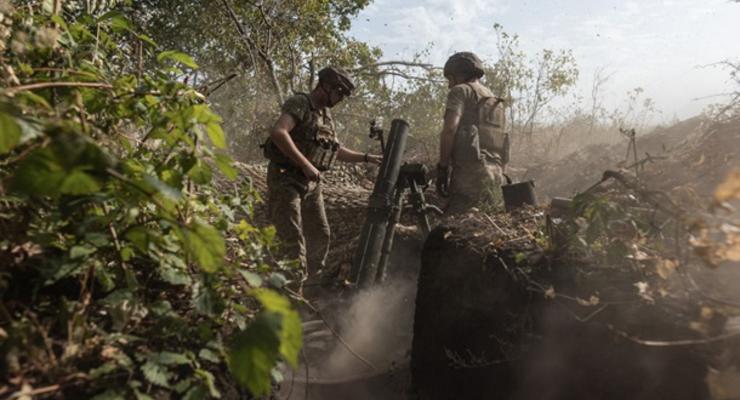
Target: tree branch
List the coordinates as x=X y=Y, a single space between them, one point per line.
x=394 y=63
x=252 y=45
x=400 y=75
x=44 y=85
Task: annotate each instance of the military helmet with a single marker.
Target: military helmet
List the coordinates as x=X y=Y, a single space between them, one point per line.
x=465 y=64
x=338 y=78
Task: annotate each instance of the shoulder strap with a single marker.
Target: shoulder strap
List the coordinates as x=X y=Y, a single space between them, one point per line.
x=470 y=85
x=305 y=127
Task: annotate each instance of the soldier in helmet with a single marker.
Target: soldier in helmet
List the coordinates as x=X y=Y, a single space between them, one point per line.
x=472 y=142
x=302 y=145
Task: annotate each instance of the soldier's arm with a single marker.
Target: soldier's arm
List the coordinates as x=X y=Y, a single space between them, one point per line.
x=281 y=137
x=347 y=155
x=447 y=136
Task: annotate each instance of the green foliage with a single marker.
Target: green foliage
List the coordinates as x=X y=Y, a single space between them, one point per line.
x=11 y=133
x=116 y=275
x=288 y=42
x=205 y=245
x=529 y=82
x=177 y=57
x=274 y=333
x=611 y=226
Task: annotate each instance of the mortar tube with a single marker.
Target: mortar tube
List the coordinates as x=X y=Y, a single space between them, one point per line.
x=367 y=256
x=390 y=232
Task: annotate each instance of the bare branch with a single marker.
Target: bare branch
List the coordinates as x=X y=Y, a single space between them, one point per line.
x=391 y=72
x=395 y=63
x=217 y=83
x=252 y=45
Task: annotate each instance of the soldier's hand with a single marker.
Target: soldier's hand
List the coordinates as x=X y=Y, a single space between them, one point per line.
x=374 y=159
x=443 y=180
x=311 y=172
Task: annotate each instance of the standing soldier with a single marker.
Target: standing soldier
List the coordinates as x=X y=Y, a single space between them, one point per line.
x=473 y=145
x=303 y=144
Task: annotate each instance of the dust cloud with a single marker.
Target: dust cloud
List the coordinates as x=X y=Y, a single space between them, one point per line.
x=378 y=326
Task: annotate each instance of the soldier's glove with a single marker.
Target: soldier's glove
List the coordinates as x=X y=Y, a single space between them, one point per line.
x=443 y=180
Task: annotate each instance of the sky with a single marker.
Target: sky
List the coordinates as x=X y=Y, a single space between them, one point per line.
x=663 y=46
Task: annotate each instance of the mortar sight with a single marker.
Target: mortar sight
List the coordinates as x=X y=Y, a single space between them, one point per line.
x=376 y=132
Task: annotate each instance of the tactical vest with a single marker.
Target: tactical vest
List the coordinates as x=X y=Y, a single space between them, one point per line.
x=481 y=132
x=314 y=137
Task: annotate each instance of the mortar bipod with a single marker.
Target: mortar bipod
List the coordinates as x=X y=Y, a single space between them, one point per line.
x=412 y=177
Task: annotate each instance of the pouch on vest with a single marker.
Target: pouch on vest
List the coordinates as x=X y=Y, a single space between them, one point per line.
x=466 y=149
x=494 y=142
x=273 y=153
x=322 y=150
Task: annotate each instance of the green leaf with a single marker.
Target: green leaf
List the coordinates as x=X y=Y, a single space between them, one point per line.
x=252 y=279
x=225 y=165
x=34 y=99
x=207 y=301
x=10 y=133
x=200 y=173
x=106 y=279
x=177 y=57
x=118 y=22
x=196 y=393
x=183 y=385
x=255 y=351
x=78 y=182
x=39 y=174
x=110 y=394
x=97 y=239
x=277 y=376
x=170 y=358
x=291 y=333
x=142 y=396
x=156 y=374
x=216 y=134
x=140 y=237
x=209 y=355
x=174 y=276
x=162 y=188
x=277 y=280
x=59 y=21
x=204 y=115
x=205 y=245
x=77 y=252
x=210 y=382
x=147 y=39
x=127 y=253
x=103 y=370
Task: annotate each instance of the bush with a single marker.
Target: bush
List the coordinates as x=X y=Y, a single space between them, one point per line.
x=116 y=279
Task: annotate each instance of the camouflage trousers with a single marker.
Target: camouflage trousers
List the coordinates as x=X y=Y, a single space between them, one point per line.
x=475 y=185
x=297 y=211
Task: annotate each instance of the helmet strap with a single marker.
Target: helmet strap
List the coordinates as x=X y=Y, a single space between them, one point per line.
x=327 y=94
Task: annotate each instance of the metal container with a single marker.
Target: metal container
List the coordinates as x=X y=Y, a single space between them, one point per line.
x=518 y=194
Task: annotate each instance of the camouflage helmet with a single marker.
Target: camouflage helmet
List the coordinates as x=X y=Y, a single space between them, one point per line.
x=338 y=78
x=465 y=64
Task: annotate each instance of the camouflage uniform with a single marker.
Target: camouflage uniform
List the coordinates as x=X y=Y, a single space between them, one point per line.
x=296 y=205
x=474 y=182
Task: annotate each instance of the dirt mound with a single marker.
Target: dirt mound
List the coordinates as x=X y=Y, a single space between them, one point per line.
x=695 y=153
x=701 y=163
x=498 y=316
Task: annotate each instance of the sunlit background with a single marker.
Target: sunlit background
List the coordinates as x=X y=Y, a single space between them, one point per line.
x=663 y=46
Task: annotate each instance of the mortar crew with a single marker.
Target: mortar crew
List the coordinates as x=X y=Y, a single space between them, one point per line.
x=302 y=144
x=471 y=160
